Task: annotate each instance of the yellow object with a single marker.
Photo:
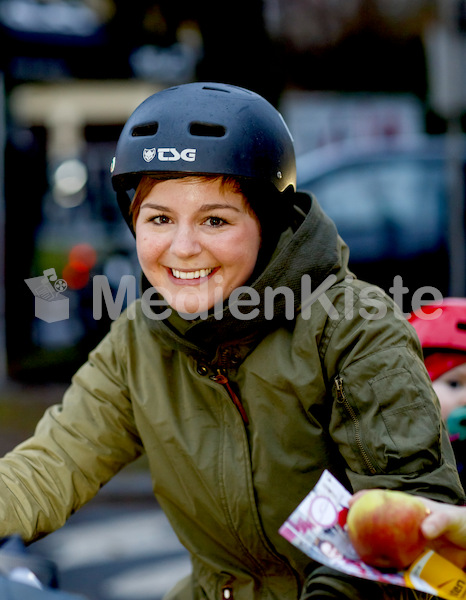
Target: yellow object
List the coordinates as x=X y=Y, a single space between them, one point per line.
x=446 y=579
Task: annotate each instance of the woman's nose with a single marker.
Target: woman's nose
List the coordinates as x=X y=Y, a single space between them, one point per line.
x=185 y=242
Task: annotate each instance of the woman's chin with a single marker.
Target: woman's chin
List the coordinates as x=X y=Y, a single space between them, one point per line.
x=190 y=305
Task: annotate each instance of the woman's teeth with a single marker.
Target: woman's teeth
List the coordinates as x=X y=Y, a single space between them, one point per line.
x=191 y=274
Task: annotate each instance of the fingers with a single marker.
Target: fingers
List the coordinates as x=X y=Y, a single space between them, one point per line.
x=449 y=522
x=435 y=524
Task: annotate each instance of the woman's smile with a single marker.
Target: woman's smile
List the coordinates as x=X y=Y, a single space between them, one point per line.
x=191 y=275
x=197 y=240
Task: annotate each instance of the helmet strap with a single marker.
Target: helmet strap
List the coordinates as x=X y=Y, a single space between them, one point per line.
x=124 y=202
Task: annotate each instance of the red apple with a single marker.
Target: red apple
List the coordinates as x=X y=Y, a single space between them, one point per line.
x=384 y=528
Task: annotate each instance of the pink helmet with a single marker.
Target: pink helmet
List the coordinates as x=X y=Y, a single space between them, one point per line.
x=441 y=328
x=442 y=324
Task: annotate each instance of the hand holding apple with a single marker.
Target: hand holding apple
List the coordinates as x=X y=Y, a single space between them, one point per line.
x=384 y=527
x=445 y=530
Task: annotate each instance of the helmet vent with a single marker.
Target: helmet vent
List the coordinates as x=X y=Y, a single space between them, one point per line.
x=215 y=89
x=207 y=129
x=461 y=326
x=145 y=130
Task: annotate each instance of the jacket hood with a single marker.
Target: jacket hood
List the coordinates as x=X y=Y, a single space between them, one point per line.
x=309 y=246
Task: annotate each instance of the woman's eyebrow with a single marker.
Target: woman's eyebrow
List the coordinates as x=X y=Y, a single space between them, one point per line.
x=216 y=206
x=155 y=206
x=202 y=208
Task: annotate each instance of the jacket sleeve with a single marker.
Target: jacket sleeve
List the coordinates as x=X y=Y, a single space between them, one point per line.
x=76 y=448
x=385 y=417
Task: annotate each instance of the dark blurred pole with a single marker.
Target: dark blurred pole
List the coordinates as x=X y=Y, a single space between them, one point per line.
x=450 y=13
x=446 y=54
x=456 y=195
x=3 y=354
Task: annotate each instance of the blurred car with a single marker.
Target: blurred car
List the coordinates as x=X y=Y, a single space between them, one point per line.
x=389 y=199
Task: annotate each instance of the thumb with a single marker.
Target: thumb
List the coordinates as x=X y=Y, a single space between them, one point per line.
x=434 y=525
x=450 y=523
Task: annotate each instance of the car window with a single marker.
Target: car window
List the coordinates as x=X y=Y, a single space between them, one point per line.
x=390 y=209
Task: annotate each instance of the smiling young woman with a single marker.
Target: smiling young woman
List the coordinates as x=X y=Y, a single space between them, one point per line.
x=197 y=240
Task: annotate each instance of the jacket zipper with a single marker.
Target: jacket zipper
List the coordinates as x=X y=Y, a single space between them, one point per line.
x=341 y=398
x=223 y=380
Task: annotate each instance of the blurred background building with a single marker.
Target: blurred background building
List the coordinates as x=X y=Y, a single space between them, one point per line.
x=363 y=84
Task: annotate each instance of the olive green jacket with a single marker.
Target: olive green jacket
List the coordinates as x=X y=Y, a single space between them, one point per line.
x=238 y=418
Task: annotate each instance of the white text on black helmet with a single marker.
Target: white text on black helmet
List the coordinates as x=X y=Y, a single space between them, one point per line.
x=166 y=154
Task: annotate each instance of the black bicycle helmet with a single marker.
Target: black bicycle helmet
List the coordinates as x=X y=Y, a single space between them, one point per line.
x=204 y=128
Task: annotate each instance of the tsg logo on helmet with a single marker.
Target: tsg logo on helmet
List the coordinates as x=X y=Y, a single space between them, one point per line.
x=169 y=154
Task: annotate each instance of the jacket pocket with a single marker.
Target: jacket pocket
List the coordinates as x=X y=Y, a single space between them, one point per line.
x=383 y=424
x=412 y=427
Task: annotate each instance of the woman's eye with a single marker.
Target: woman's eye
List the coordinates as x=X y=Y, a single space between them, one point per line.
x=215 y=222
x=160 y=219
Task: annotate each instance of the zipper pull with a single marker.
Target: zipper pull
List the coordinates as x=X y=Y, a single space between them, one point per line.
x=227 y=593
x=339 y=389
x=223 y=380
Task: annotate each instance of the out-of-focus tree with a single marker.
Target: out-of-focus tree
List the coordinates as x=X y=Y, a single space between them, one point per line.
x=352 y=45
x=305 y=25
